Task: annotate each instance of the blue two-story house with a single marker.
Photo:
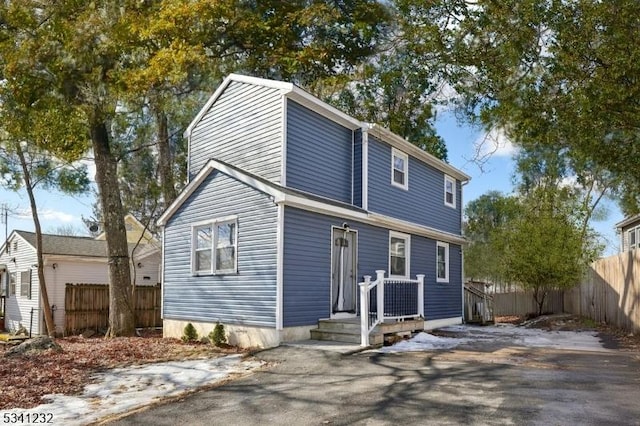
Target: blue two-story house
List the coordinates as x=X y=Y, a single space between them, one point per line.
x=290 y=205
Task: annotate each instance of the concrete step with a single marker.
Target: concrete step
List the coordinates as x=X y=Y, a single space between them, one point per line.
x=340 y=324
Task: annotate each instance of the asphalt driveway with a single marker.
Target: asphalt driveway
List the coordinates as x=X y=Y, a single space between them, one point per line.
x=491 y=383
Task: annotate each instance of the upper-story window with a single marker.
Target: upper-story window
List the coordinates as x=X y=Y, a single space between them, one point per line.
x=449 y=191
x=442 y=262
x=214 y=247
x=399 y=169
x=399 y=254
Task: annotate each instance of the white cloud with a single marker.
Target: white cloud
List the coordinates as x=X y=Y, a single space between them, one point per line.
x=48 y=215
x=495 y=143
x=91 y=167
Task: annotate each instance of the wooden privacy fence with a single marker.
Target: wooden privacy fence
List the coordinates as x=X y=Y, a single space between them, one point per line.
x=610 y=292
x=522 y=303
x=87 y=307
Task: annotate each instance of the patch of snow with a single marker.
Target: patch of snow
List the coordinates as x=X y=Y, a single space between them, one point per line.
x=120 y=390
x=424 y=341
x=507 y=334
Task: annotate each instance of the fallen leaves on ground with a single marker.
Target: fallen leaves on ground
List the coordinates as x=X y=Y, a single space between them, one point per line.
x=25 y=379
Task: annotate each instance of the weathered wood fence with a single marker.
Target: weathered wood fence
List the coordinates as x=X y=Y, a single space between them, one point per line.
x=87 y=307
x=610 y=292
x=522 y=303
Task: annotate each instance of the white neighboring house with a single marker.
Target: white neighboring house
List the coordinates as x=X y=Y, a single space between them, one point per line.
x=67 y=259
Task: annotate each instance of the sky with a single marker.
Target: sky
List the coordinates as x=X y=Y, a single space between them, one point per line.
x=59 y=210
x=125 y=389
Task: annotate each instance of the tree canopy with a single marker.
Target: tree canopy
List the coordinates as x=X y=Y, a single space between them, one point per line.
x=557 y=74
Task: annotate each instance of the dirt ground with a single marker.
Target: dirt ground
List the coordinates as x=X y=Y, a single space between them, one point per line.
x=25 y=379
x=613 y=338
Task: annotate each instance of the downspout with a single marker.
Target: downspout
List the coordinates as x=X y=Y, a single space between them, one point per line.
x=462 y=277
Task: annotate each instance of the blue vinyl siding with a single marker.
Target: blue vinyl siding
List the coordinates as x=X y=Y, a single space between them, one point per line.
x=319 y=154
x=442 y=300
x=422 y=203
x=307 y=267
x=357 y=168
x=248 y=297
x=244 y=128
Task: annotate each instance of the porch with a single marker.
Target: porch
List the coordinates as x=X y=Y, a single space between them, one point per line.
x=386 y=306
x=348 y=330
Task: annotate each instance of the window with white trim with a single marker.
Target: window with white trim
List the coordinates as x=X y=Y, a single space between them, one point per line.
x=214 y=247
x=633 y=238
x=442 y=262
x=399 y=254
x=25 y=283
x=399 y=169
x=449 y=191
x=12 y=284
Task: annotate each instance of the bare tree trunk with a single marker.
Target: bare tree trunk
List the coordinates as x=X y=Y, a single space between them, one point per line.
x=539 y=295
x=167 y=182
x=121 y=312
x=44 y=296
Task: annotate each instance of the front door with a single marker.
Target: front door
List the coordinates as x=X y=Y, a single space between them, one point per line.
x=343 y=271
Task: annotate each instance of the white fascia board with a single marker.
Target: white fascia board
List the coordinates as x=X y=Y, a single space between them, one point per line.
x=365 y=169
x=10 y=238
x=415 y=229
x=314 y=104
x=322 y=208
x=202 y=175
x=400 y=143
x=627 y=221
x=370 y=218
x=280 y=268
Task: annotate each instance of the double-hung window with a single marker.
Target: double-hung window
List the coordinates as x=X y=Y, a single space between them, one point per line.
x=399 y=254
x=399 y=169
x=449 y=191
x=25 y=283
x=12 y=284
x=633 y=238
x=442 y=262
x=214 y=247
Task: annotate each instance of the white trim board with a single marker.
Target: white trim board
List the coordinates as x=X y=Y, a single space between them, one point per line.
x=303 y=203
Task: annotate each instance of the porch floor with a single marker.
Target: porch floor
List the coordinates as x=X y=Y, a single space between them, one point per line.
x=347 y=330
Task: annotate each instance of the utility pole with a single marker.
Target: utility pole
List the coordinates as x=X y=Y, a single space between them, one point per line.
x=4 y=218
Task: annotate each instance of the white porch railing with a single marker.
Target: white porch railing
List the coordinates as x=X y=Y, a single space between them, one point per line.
x=404 y=299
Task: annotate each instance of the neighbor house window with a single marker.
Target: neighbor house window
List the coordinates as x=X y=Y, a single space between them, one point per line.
x=449 y=191
x=25 y=284
x=633 y=237
x=399 y=169
x=12 y=284
x=442 y=262
x=215 y=247
x=399 y=254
